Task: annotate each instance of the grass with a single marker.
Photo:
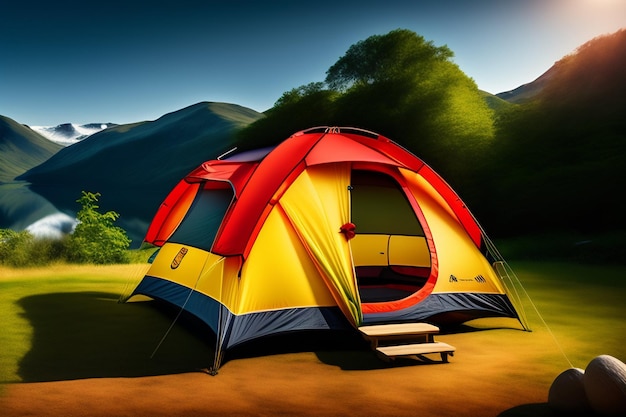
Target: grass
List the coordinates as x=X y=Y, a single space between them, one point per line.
x=581 y=304
x=63 y=323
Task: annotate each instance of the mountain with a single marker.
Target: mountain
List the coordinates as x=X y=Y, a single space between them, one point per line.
x=68 y=133
x=595 y=69
x=561 y=165
x=21 y=149
x=592 y=77
x=134 y=166
x=527 y=92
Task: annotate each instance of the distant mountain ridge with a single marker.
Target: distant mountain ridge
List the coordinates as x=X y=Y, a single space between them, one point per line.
x=529 y=91
x=69 y=133
x=134 y=166
x=21 y=149
x=596 y=68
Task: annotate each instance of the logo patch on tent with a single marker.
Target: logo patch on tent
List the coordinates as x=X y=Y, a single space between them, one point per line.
x=179 y=258
x=480 y=279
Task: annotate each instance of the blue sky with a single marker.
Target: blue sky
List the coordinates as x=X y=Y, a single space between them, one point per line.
x=128 y=61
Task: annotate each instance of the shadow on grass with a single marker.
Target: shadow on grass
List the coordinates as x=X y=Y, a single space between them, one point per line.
x=343 y=349
x=90 y=335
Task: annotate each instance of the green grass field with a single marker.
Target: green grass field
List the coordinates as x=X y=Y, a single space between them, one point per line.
x=63 y=326
x=64 y=322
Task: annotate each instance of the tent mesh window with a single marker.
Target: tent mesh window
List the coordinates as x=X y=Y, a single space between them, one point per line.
x=204 y=217
x=381 y=213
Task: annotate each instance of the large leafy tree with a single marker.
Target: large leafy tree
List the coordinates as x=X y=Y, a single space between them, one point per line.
x=401 y=86
x=407 y=88
x=382 y=58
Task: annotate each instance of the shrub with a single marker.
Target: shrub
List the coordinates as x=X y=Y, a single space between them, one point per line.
x=21 y=249
x=96 y=239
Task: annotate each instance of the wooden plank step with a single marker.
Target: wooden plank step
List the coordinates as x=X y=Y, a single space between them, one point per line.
x=418 y=349
x=400 y=329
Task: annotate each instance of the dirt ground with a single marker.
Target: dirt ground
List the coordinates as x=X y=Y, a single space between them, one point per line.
x=498 y=372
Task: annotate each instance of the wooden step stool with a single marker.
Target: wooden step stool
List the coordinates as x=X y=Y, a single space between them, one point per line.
x=405 y=339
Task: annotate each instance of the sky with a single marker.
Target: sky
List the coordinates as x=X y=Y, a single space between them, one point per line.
x=128 y=61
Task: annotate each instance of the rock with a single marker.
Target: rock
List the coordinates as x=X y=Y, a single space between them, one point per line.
x=567 y=392
x=605 y=385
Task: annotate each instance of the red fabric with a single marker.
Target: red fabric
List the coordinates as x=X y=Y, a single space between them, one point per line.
x=348 y=230
x=158 y=232
x=258 y=184
x=175 y=206
x=413 y=299
x=335 y=147
x=274 y=173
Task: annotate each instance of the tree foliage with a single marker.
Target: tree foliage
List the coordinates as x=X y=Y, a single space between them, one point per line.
x=560 y=157
x=21 y=248
x=398 y=85
x=96 y=239
x=395 y=56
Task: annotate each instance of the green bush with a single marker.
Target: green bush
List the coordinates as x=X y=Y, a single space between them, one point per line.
x=95 y=240
x=20 y=249
x=14 y=246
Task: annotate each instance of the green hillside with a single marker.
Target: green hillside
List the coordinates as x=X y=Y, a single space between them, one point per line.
x=550 y=163
x=21 y=149
x=134 y=166
x=559 y=159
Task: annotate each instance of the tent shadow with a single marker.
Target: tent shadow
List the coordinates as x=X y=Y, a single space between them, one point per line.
x=90 y=335
x=359 y=355
x=343 y=349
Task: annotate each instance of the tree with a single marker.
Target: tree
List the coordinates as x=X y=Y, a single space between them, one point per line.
x=300 y=108
x=408 y=89
x=398 y=85
x=96 y=239
x=381 y=58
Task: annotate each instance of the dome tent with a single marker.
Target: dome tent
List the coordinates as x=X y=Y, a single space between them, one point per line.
x=334 y=228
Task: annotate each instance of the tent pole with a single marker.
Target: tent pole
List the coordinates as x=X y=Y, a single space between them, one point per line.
x=222 y=333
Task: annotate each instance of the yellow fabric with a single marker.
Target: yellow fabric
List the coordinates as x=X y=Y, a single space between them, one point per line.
x=461 y=265
x=408 y=251
x=278 y=273
x=200 y=270
x=212 y=276
x=370 y=250
x=318 y=204
x=189 y=267
x=384 y=250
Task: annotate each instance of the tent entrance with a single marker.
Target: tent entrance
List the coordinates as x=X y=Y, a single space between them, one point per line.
x=390 y=253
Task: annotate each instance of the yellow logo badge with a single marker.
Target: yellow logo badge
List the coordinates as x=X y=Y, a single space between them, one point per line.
x=179 y=258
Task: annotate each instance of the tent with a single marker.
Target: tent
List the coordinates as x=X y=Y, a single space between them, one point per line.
x=334 y=228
